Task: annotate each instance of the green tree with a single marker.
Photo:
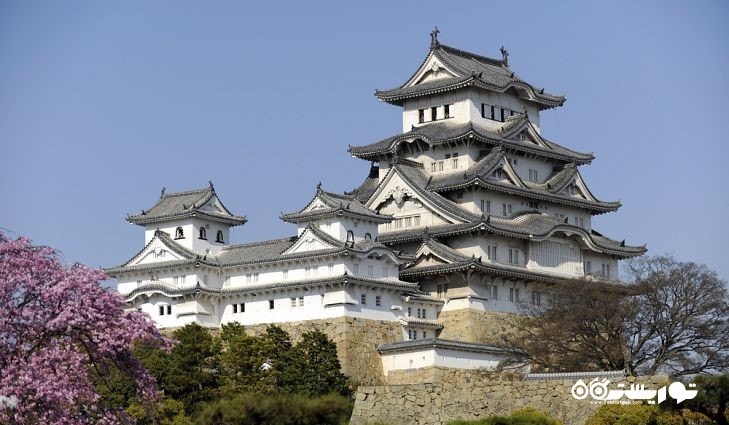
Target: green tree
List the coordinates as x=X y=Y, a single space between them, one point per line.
x=317 y=366
x=712 y=399
x=189 y=372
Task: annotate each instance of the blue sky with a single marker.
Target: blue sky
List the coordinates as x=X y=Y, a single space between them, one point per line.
x=104 y=103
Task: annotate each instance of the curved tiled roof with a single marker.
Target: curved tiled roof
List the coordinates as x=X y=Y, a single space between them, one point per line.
x=415 y=344
x=479 y=175
x=179 y=205
x=530 y=225
x=336 y=205
x=414 y=176
x=471 y=70
x=420 y=323
x=160 y=287
x=442 y=132
x=367 y=188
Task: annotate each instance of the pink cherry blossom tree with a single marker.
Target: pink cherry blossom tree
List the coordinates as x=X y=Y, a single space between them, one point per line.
x=58 y=326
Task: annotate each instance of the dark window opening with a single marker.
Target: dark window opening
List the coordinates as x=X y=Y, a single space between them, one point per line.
x=219 y=236
x=270 y=304
x=433 y=113
x=161 y=310
x=421 y=115
x=169 y=309
x=179 y=234
x=203 y=233
x=235 y=308
x=368 y=236
x=446 y=111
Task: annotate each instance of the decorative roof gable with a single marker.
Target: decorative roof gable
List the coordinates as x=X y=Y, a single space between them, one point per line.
x=327 y=204
x=313 y=239
x=446 y=68
x=404 y=181
x=203 y=203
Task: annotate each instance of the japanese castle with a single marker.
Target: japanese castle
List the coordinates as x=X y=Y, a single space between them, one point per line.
x=464 y=215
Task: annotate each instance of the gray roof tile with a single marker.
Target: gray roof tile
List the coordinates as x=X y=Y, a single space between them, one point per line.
x=178 y=205
x=344 y=205
x=441 y=132
x=472 y=70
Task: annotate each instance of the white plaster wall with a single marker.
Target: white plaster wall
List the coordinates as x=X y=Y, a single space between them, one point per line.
x=597 y=260
x=190 y=229
x=477 y=97
x=522 y=165
x=439 y=357
x=459 y=109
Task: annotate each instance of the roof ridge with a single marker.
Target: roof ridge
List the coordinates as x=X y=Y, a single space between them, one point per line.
x=258 y=243
x=186 y=192
x=461 y=52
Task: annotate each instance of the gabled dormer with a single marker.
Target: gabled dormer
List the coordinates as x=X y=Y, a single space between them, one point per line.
x=342 y=217
x=453 y=85
x=195 y=219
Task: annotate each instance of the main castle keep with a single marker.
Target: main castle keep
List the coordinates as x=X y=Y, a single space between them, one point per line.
x=465 y=214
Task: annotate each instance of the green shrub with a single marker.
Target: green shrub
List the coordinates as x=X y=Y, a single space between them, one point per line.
x=252 y=409
x=634 y=414
x=525 y=416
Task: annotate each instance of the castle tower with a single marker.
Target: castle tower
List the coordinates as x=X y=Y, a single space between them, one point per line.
x=494 y=213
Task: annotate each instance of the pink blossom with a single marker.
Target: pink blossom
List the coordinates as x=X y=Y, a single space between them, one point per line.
x=56 y=323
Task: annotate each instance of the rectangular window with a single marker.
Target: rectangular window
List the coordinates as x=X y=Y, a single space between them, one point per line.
x=270 y=304
x=440 y=165
x=410 y=311
x=421 y=115
x=582 y=222
x=534 y=205
x=385 y=272
x=235 y=308
x=503 y=210
x=536 y=298
x=370 y=270
x=248 y=278
x=161 y=310
x=425 y=316
x=425 y=334
x=508 y=208
x=446 y=111
x=514 y=255
x=355 y=268
x=491 y=252
x=460 y=195
x=514 y=295
x=242 y=307
x=439 y=289
x=533 y=176
x=301 y=301
x=433 y=113
x=504 y=113
x=448 y=156
x=415 y=334
x=433 y=167
x=169 y=307
x=498 y=174
x=255 y=277
x=285 y=274
x=416 y=220
x=378 y=300
x=205 y=279
x=494 y=292
x=408 y=221
x=410 y=334
x=363 y=299
x=418 y=313
x=588 y=268
x=455 y=162
x=330 y=268
x=293 y=302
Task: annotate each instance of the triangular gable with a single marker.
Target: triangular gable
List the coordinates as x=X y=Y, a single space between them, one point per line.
x=507 y=173
x=526 y=133
x=311 y=240
x=214 y=205
x=316 y=204
x=158 y=250
x=578 y=189
x=394 y=188
x=426 y=254
x=431 y=69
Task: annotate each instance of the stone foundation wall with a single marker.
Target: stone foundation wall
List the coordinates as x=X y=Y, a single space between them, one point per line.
x=453 y=394
x=474 y=325
x=357 y=340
